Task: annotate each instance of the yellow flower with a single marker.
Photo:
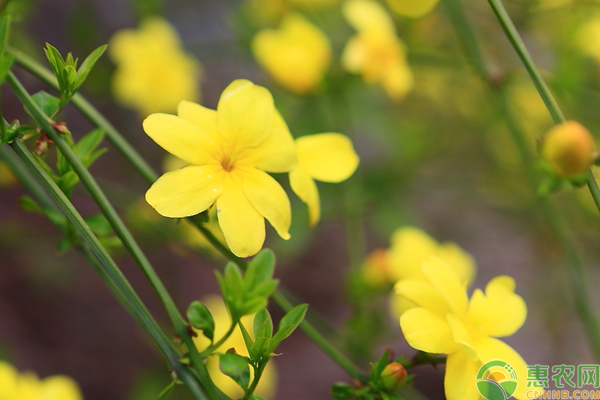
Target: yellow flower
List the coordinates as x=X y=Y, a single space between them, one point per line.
x=569 y=148
x=268 y=381
x=326 y=157
x=446 y=322
x=296 y=55
x=376 y=52
x=228 y=151
x=153 y=73
x=27 y=386
x=313 y=3
x=412 y=8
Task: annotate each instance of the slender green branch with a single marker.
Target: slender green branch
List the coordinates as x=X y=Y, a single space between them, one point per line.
x=581 y=295
x=257 y=374
x=209 y=350
x=142 y=313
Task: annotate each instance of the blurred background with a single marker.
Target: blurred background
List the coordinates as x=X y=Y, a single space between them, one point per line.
x=437 y=156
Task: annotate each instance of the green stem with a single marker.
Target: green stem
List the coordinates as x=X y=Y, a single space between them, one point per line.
x=109 y=212
x=141 y=312
x=257 y=374
x=582 y=297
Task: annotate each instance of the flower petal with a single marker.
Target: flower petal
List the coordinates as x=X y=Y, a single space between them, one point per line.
x=59 y=387
x=423 y=294
x=305 y=187
x=459 y=380
x=269 y=199
x=500 y=312
x=368 y=16
x=493 y=349
x=327 y=157
x=242 y=225
x=461 y=261
x=398 y=80
x=245 y=113
x=180 y=138
x=410 y=246
x=277 y=153
x=186 y=191
x=427 y=331
x=202 y=117
x=444 y=279
x=461 y=336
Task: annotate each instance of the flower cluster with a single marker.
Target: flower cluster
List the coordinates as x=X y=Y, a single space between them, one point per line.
x=27 y=386
x=153 y=73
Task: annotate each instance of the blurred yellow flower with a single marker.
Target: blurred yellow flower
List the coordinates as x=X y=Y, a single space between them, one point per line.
x=569 y=148
x=410 y=247
x=228 y=151
x=446 y=322
x=27 y=386
x=268 y=381
x=412 y=8
x=153 y=73
x=296 y=55
x=587 y=36
x=376 y=52
x=326 y=157
x=312 y=3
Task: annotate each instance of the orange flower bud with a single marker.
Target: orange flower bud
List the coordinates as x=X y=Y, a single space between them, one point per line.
x=569 y=148
x=393 y=376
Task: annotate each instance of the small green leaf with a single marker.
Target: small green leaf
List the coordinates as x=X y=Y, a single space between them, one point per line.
x=247 y=339
x=71 y=75
x=263 y=324
x=87 y=66
x=46 y=102
x=259 y=349
x=4 y=29
x=6 y=63
x=201 y=318
x=579 y=180
x=99 y=224
x=264 y=289
x=56 y=62
x=55 y=217
x=260 y=269
x=88 y=143
x=67 y=182
x=166 y=391
x=342 y=391
x=253 y=305
x=64 y=245
x=255 y=397
x=288 y=324
x=236 y=367
x=377 y=367
x=89 y=159
x=390 y=396
x=30 y=205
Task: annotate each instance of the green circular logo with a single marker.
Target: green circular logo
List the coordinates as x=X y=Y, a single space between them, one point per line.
x=496 y=380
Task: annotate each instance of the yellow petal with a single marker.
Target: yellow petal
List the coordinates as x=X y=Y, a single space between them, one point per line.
x=462 y=336
x=459 y=380
x=500 y=312
x=423 y=294
x=269 y=199
x=242 y=225
x=327 y=157
x=187 y=191
x=398 y=80
x=355 y=54
x=445 y=280
x=180 y=138
x=410 y=246
x=368 y=16
x=427 y=331
x=460 y=261
x=412 y=8
x=8 y=381
x=245 y=113
x=277 y=153
x=59 y=387
x=203 y=118
x=493 y=349
x=305 y=187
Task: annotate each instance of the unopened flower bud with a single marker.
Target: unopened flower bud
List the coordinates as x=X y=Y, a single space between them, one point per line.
x=375 y=269
x=393 y=377
x=569 y=148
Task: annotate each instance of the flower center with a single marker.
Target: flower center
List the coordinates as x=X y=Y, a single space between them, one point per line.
x=228 y=162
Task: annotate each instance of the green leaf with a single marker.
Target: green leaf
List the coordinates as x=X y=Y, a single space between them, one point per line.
x=30 y=205
x=377 y=367
x=88 y=143
x=253 y=305
x=6 y=63
x=71 y=76
x=55 y=217
x=99 y=224
x=166 y=391
x=265 y=289
x=247 y=339
x=579 y=180
x=260 y=269
x=236 y=367
x=46 y=102
x=87 y=66
x=288 y=324
x=255 y=397
x=89 y=160
x=342 y=391
x=67 y=182
x=64 y=245
x=201 y=318
x=263 y=324
x=4 y=28
x=390 y=396
x=259 y=349
x=57 y=63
